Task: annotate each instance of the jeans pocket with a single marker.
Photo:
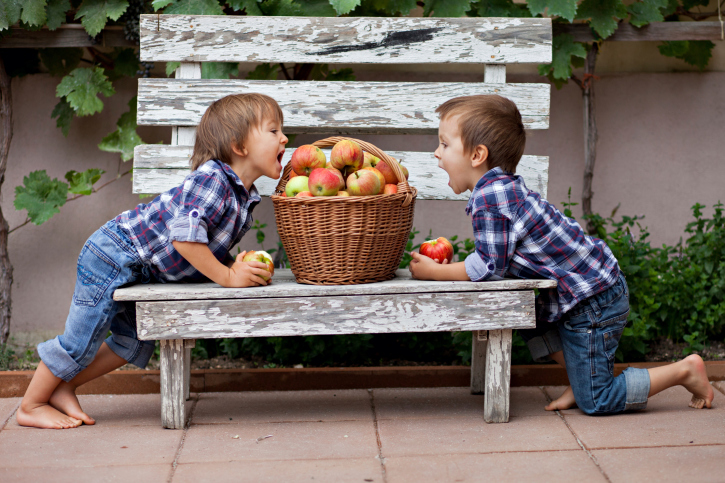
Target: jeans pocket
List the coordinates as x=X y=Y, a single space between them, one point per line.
x=611 y=333
x=96 y=272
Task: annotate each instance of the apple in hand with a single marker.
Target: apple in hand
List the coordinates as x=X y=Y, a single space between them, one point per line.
x=363 y=183
x=296 y=185
x=390 y=189
x=439 y=250
x=346 y=153
x=324 y=182
x=306 y=158
x=261 y=256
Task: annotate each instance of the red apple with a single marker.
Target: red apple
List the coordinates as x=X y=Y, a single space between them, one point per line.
x=324 y=182
x=296 y=185
x=343 y=193
x=390 y=189
x=260 y=256
x=306 y=158
x=363 y=183
x=339 y=175
x=304 y=194
x=346 y=153
x=369 y=160
x=387 y=172
x=379 y=175
x=439 y=250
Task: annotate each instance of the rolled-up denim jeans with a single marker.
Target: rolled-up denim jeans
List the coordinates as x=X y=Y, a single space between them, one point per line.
x=107 y=261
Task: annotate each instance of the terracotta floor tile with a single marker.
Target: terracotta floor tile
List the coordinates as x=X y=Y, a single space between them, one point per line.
x=720 y=385
x=93 y=474
x=7 y=408
x=289 y=441
x=88 y=446
x=338 y=471
x=545 y=466
x=445 y=436
x=658 y=465
x=452 y=402
x=255 y=407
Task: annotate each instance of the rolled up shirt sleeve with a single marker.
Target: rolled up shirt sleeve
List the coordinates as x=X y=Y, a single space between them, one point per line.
x=202 y=202
x=495 y=245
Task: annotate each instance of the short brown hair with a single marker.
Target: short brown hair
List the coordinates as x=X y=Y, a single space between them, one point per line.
x=493 y=121
x=229 y=120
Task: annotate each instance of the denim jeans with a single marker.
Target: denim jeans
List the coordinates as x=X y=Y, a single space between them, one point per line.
x=107 y=261
x=589 y=336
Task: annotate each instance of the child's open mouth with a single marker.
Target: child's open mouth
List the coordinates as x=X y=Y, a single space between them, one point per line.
x=279 y=157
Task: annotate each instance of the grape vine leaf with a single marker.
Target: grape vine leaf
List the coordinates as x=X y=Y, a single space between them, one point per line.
x=395 y=7
x=9 y=13
x=64 y=113
x=60 y=61
x=499 y=8
x=219 y=70
x=322 y=72
x=82 y=183
x=317 y=8
x=55 y=13
x=344 y=6
x=688 y=4
x=190 y=7
x=694 y=52
x=95 y=13
x=264 y=72
x=562 y=8
x=602 y=15
x=125 y=63
x=447 y=8
x=565 y=52
x=250 y=7
x=125 y=137
x=40 y=196
x=646 y=11
x=281 y=8
x=33 y=12
x=171 y=68
x=159 y=4
x=81 y=88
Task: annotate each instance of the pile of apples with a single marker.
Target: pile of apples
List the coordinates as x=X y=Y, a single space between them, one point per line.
x=350 y=172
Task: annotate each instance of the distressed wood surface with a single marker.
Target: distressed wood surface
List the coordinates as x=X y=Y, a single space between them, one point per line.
x=158 y=168
x=67 y=35
x=655 y=31
x=494 y=74
x=173 y=410
x=361 y=40
x=284 y=285
x=188 y=345
x=185 y=136
x=479 y=344
x=335 y=107
x=498 y=376
x=371 y=314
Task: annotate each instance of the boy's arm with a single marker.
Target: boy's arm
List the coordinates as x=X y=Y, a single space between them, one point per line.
x=240 y=274
x=424 y=268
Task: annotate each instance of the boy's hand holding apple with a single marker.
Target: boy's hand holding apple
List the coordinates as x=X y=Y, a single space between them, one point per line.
x=251 y=272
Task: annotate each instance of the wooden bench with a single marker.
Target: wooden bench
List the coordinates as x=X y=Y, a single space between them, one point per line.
x=178 y=314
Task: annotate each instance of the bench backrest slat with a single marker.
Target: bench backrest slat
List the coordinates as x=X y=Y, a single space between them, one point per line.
x=361 y=40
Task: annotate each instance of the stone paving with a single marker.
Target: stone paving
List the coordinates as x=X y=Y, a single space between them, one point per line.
x=379 y=435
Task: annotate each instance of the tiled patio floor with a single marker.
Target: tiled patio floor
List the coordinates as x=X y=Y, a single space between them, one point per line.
x=380 y=435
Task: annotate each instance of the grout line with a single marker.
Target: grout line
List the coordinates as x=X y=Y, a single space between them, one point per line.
x=377 y=436
x=174 y=463
x=579 y=441
x=12 y=413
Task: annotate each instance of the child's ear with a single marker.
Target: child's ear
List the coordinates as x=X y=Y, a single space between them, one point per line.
x=479 y=156
x=239 y=152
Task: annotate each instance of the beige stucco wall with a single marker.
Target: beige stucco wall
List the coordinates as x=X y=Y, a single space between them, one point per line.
x=660 y=151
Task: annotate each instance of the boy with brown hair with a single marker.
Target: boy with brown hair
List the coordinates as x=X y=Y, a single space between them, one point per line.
x=182 y=235
x=520 y=234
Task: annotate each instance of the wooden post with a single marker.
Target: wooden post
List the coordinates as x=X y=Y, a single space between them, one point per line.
x=188 y=345
x=6 y=268
x=173 y=410
x=478 y=361
x=498 y=376
x=181 y=135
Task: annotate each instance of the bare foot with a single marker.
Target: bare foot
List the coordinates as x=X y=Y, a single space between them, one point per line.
x=64 y=400
x=565 y=401
x=697 y=382
x=44 y=416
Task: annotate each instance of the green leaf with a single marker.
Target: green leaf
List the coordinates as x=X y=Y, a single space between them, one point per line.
x=317 y=8
x=447 y=8
x=34 y=12
x=159 y=4
x=602 y=15
x=171 y=68
x=40 y=196
x=674 y=49
x=125 y=63
x=500 y=8
x=219 y=70
x=82 y=183
x=264 y=72
x=344 y=6
x=341 y=75
x=55 y=12
x=60 y=61
x=281 y=8
x=694 y=52
x=646 y=11
x=395 y=7
x=64 y=113
x=81 y=88
x=688 y=4
x=192 y=7
x=564 y=49
x=95 y=13
x=250 y=7
x=125 y=137
x=562 y=8
x=9 y=13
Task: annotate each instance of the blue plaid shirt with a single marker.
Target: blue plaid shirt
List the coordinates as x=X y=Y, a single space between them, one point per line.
x=212 y=206
x=518 y=233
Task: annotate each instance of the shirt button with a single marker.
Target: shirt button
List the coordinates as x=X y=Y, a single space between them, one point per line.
x=195 y=214
x=490 y=266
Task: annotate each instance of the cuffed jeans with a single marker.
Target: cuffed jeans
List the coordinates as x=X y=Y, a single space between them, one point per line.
x=589 y=335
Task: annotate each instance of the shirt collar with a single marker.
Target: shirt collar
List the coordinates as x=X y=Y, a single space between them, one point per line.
x=485 y=179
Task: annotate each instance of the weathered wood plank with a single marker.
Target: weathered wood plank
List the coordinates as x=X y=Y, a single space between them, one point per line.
x=284 y=285
x=67 y=35
x=188 y=345
x=335 y=107
x=478 y=361
x=173 y=410
x=498 y=376
x=494 y=74
x=361 y=40
x=185 y=136
x=656 y=31
x=158 y=168
x=372 y=314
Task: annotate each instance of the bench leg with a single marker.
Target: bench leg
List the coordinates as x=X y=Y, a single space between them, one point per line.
x=173 y=410
x=188 y=345
x=498 y=376
x=478 y=361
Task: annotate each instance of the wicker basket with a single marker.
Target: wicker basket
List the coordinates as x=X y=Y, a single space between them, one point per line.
x=336 y=240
